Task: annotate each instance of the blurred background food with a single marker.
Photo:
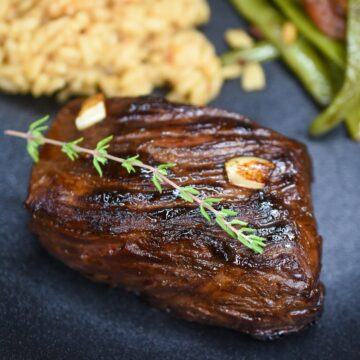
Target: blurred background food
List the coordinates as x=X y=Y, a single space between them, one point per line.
x=318 y=40
x=119 y=47
x=132 y=47
x=328 y=15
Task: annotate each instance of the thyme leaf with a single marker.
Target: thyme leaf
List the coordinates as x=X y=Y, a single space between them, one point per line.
x=35 y=137
x=185 y=195
x=100 y=154
x=191 y=190
x=157 y=182
x=204 y=213
x=70 y=149
x=130 y=162
x=221 y=222
x=228 y=212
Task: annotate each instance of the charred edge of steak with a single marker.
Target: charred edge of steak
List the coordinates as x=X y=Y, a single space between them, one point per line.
x=119 y=230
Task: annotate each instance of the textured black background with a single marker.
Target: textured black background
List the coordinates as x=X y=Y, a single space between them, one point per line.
x=50 y=312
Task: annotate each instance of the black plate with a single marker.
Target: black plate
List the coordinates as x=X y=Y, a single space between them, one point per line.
x=48 y=311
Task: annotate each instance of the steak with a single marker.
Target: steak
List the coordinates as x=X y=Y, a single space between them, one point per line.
x=119 y=230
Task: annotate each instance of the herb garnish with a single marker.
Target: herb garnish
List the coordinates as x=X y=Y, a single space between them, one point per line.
x=224 y=218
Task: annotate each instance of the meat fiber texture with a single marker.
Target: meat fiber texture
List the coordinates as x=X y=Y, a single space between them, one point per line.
x=119 y=230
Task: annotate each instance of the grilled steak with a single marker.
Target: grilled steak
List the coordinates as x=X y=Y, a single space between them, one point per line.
x=119 y=230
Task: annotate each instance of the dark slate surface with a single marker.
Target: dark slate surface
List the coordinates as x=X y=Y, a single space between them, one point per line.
x=50 y=312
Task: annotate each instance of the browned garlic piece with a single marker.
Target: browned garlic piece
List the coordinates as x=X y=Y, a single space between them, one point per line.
x=289 y=33
x=253 y=78
x=231 y=71
x=238 y=39
x=92 y=111
x=249 y=171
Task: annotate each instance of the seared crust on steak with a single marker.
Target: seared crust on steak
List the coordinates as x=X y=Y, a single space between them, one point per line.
x=118 y=229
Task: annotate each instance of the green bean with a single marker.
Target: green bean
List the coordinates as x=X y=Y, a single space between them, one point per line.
x=352 y=122
x=332 y=49
x=337 y=76
x=348 y=98
x=302 y=59
x=262 y=51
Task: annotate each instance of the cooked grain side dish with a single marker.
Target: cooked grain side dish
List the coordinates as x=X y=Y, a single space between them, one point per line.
x=119 y=47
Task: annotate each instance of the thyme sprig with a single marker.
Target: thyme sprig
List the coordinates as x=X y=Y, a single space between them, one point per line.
x=224 y=218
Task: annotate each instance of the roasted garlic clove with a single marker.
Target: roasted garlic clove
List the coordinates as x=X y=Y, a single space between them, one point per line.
x=289 y=33
x=231 y=71
x=92 y=111
x=253 y=77
x=238 y=39
x=249 y=171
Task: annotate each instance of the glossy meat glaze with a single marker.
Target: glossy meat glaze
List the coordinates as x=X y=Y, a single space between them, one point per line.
x=119 y=230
